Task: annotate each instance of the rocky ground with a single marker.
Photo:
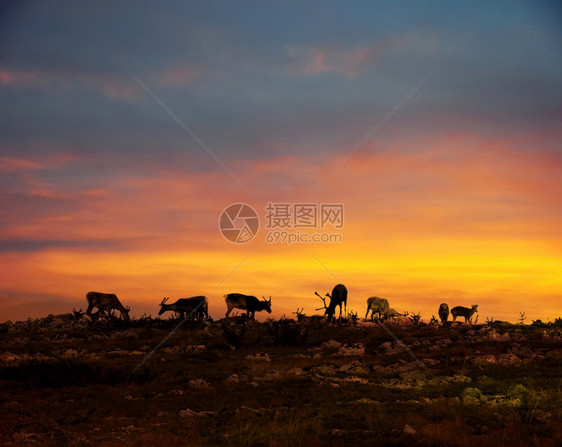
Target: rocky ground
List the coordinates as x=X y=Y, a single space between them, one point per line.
x=279 y=383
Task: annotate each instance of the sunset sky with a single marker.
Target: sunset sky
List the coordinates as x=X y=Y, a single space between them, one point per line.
x=455 y=197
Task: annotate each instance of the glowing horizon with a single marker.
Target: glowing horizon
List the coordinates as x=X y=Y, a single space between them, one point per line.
x=395 y=245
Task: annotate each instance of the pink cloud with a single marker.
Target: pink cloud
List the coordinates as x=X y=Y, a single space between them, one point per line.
x=349 y=62
x=13 y=164
x=8 y=164
x=19 y=77
x=6 y=77
x=113 y=86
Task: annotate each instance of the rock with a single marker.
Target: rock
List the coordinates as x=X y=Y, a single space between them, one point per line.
x=357 y=367
x=187 y=413
x=365 y=400
x=387 y=346
x=245 y=409
x=299 y=356
x=430 y=362
x=172 y=349
x=195 y=348
x=409 y=430
x=317 y=356
x=175 y=392
x=233 y=378
x=328 y=368
x=491 y=359
x=199 y=384
x=261 y=356
x=509 y=360
x=350 y=349
x=272 y=375
x=354 y=379
x=69 y=353
x=331 y=344
x=391 y=348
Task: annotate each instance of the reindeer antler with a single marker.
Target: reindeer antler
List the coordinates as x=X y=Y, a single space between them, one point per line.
x=323 y=300
x=163 y=301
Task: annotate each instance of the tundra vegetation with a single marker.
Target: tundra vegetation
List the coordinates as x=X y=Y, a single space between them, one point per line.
x=238 y=381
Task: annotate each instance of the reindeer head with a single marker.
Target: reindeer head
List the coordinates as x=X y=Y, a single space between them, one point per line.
x=77 y=313
x=162 y=304
x=299 y=314
x=267 y=304
x=475 y=307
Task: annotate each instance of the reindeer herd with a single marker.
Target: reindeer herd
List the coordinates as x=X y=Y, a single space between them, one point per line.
x=378 y=308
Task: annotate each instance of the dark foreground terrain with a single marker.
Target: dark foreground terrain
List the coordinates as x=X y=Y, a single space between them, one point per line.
x=279 y=383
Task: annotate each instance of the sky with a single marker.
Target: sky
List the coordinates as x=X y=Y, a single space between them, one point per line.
x=127 y=128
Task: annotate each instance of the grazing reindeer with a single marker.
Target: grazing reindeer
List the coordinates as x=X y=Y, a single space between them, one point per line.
x=302 y=318
x=378 y=305
x=443 y=312
x=75 y=315
x=187 y=305
x=338 y=297
x=465 y=312
x=106 y=303
x=249 y=303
